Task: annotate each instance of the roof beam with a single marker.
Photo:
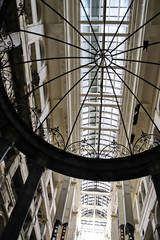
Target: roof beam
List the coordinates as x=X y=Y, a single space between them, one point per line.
x=96 y=193
x=113 y=66
x=106 y=34
x=98 y=95
x=96 y=128
x=97 y=219
x=94 y=207
x=99 y=104
x=101 y=22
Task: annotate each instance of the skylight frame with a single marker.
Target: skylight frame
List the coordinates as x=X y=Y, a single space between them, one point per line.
x=110 y=115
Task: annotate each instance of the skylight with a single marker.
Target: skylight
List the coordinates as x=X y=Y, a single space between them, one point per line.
x=100 y=122
x=100 y=116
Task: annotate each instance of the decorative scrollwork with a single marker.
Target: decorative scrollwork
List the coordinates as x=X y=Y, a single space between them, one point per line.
x=8 y=84
x=28 y=115
x=3 y=59
x=6 y=44
x=53 y=136
x=82 y=148
x=21 y=8
x=114 y=150
x=146 y=142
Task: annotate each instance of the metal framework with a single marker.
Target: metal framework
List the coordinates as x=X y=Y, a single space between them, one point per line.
x=103 y=82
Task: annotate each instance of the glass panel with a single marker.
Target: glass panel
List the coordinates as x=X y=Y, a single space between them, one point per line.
x=90 y=114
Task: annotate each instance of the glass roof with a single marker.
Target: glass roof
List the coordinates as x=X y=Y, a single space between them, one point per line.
x=95 y=186
x=100 y=123
x=95 y=200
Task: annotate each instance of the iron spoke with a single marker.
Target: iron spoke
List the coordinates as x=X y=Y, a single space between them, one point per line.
x=90 y=24
x=64 y=97
x=49 y=6
x=120 y=24
x=102 y=78
x=136 y=31
x=43 y=59
x=136 y=99
x=131 y=60
x=51 y=80
x=137 y=76
x=104 y=22
x=132 y=49
x=55 y=39
x=100 y=111
x=81 y=108
x=119 y=110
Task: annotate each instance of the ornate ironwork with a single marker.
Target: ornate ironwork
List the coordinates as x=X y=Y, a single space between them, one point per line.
x=6 y=42
x=114 y=150
x=54 y=137
x=82 y=148
x=8 y=84
x=3 y=59
x=21 y=8
x=23 y=111
x=146 y=142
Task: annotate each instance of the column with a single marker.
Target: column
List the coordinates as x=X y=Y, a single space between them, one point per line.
x=69 y=210
x=73 y=227
x=20 y=211
x=128 y=212
x=61 y=207
x=69 y=205
x=114 y=227
x=120 y=212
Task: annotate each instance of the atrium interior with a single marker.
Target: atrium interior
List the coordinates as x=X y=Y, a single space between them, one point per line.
x=80 y=119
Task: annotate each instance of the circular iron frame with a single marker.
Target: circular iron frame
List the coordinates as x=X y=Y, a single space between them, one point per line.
x=103 y=55
x=98 y=169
